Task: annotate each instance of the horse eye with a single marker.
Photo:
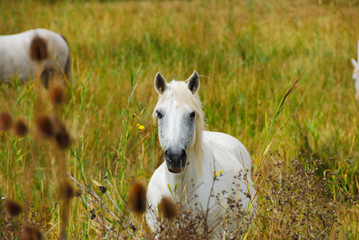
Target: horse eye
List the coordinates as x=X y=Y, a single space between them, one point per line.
x=158 y=114
x=192 y=114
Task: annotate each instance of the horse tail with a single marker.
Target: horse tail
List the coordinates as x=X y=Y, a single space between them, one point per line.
x=67 y=68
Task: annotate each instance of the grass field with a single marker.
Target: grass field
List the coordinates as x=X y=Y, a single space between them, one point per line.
x=248 y=53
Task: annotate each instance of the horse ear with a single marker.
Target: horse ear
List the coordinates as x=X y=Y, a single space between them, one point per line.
x=354 y=62
x=193 y=82
x=160 y=83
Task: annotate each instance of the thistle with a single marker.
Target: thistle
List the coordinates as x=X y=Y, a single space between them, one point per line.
x=168 y=208
x=38 y=49
x=45 y=126
x=20 y=128
x=5 y=121
x=12 y=208
x=137 y=199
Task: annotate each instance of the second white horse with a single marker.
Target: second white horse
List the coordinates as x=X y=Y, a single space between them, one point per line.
x=15 y=60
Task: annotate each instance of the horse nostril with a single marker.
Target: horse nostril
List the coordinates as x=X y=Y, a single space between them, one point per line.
x=168 y=155
x=183 y=154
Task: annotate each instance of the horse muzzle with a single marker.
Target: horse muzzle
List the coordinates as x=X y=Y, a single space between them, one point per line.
x=175 y=160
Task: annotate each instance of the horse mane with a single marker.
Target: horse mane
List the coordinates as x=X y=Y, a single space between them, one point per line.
x=179 y=91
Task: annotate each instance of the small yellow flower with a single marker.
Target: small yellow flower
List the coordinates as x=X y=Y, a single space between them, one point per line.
x=216 y=174
x=140 y=127
x=221 y=172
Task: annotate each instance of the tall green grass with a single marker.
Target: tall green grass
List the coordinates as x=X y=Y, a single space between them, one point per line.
x=247 y=52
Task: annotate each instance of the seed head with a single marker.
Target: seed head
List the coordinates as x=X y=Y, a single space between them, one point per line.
x=78 y=193
x=62 y=137
x=13 y=208
x=45 y=126
x=103 y=189
x=168 y=208
x=31 y=233
x=57 y=95
x=38 y=49
x=20 y=128
x=93 y=214
x=5 y=121
x=137 y=198
x=66 y=190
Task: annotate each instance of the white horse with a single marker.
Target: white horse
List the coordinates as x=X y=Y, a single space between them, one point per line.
x=15 y=57
x=356 y=74
x=198 y=164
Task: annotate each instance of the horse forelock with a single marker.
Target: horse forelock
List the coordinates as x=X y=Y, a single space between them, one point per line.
x=178 y=91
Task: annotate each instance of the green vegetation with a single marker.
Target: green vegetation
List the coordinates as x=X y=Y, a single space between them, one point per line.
x=248 y=54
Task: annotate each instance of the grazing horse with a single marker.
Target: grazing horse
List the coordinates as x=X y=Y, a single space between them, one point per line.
x=356 y=74
x=16 y=60
x=202 y=170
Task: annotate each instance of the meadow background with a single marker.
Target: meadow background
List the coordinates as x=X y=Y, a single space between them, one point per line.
x=248 y=54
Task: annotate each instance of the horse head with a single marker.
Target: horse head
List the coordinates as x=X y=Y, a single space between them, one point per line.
x=178 y=112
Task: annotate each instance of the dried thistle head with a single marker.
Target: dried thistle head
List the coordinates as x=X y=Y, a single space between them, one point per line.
x=12 y=208
x=31 y=233
x=168 y=208
x=103 y=189
x=57 y=94
x=66 y=190
x=5 y=121
x=137 y=198
x=45 y=126
x=20 y=128
x=78 y=193
x=38 y=49
x=62 y=136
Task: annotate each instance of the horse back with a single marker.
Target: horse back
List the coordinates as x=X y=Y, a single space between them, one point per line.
x=228 y=150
